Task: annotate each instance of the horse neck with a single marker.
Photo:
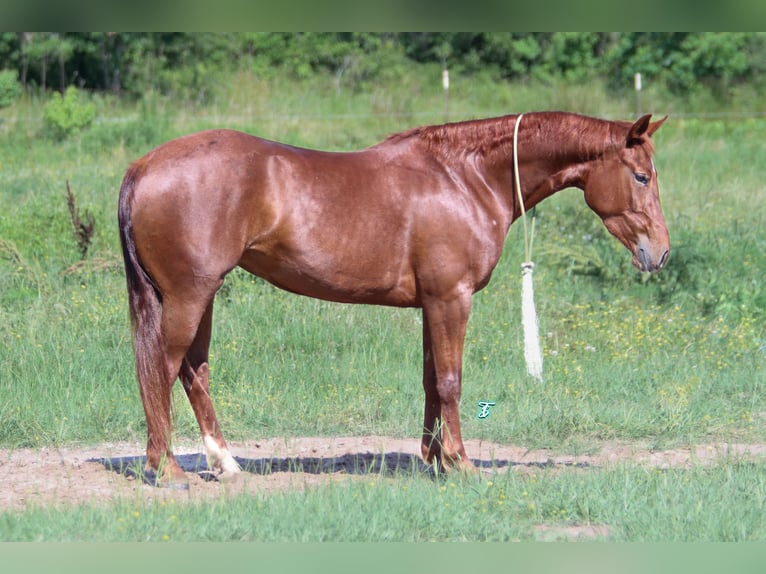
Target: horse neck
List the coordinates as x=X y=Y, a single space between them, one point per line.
x=554 y=150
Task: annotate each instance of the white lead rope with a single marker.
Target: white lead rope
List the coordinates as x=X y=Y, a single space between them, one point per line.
x=532 y=353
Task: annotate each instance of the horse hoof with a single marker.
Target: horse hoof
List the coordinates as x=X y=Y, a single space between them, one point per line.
x=455 y=465
x=229 y=476
x=169 y=480
x=174 y=483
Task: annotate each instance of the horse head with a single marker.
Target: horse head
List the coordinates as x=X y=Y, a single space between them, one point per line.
x=621 y=187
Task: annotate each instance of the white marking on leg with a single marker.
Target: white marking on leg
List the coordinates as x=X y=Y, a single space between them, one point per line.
x=218 y=457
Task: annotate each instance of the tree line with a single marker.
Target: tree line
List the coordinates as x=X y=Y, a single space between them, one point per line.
x=185 y=64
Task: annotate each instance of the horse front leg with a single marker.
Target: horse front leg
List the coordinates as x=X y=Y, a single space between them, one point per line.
x=444 y=327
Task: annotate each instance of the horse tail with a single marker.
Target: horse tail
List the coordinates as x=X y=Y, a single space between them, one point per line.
x=145 y=304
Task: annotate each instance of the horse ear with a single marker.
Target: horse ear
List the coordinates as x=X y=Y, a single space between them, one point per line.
x=654 y=126
x=638 y=129
x=643 y=125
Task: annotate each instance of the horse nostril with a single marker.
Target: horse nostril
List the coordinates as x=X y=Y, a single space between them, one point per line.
x=664 y=259
x=642 y=258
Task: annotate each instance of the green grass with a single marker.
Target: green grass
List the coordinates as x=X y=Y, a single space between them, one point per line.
x=621 y=503
x=665 y=360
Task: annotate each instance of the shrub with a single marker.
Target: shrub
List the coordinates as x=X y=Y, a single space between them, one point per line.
x=9 y=88
x=66 y=115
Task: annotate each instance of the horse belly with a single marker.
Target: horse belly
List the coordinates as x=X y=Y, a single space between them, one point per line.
x=325 y=276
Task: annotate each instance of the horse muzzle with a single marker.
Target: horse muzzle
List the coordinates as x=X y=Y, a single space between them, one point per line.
x=648 y=258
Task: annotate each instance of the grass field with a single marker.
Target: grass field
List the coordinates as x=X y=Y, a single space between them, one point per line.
x=672 y=359
x=723 y=503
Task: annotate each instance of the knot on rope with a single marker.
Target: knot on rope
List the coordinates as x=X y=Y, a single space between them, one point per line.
x=527 y=267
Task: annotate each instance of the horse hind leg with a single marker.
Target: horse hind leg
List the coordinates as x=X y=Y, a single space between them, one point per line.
x=181 y=319
x=195 y=377
x=156 y=376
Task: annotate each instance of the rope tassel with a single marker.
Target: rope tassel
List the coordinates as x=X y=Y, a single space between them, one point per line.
x=532 y=353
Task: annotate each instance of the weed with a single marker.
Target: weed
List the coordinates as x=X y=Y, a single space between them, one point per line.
x=83 y=227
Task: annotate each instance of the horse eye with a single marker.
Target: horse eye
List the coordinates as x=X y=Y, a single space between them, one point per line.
x=641 y=178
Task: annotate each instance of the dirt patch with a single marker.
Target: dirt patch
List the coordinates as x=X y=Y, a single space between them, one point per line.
x=66 y=476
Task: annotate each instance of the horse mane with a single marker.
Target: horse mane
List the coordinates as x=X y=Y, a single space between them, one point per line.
x=585 y=136
x=470 y=135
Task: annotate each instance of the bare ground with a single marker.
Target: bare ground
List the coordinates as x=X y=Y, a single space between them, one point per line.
x=69 y=476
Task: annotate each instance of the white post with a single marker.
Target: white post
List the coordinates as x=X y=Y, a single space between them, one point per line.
x=445 y=85
x=637 y=84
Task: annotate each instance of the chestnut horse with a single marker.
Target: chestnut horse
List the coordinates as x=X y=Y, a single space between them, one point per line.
x=418 y=220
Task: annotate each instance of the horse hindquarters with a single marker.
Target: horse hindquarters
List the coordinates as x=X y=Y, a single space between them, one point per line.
x=145 y=307
x=171 y=320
